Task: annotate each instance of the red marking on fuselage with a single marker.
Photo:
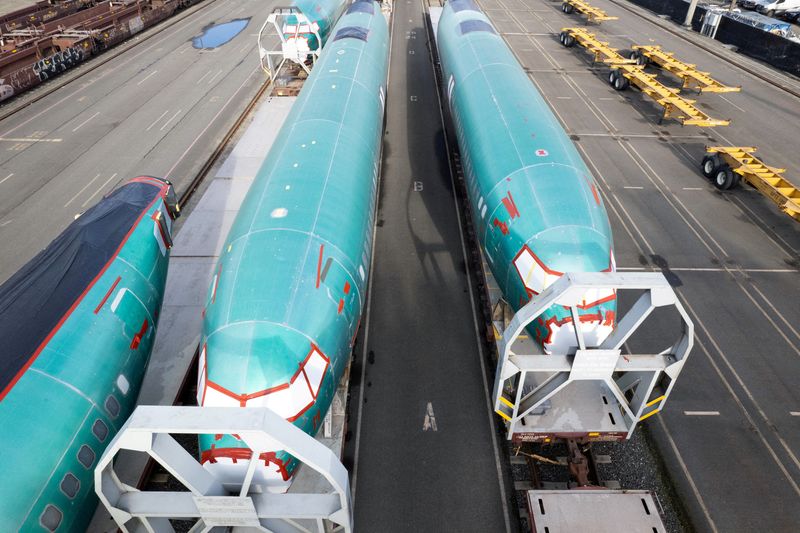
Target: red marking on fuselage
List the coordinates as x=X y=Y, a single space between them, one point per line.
x=105 y=298
x=319 y=264
x=244 y=398
x=347 y=287
x=341 y=306
x=244 y=454
x=510 y=205
x=138 y=337
x=502 y=225
x=80 y=298
x=596 y=196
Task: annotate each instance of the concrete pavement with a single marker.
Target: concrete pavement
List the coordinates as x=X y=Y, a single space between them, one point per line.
x=159 y=109
x=424 y=455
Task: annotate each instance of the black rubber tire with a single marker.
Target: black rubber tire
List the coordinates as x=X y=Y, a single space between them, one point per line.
x=563 y=38
x=723 y=179
x=570 y=41
x=568 y=8
x=621 y=83
x=737 y=179
x=770 y=13
x=710 y=165
x=564 y=8
x=612 y=76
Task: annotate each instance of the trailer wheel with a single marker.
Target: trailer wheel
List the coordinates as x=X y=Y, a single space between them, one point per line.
x=736 y=180
x=567 y=8
x=639 y=57
x=710 y=165
x=570 y=41
x=621 y=82
x=723 y=179
x=612 y=76
x=563 y=38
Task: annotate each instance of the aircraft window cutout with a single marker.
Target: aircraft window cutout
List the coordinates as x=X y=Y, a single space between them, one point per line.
x=353 y=32
x=470 y=26
x=86 y=456
x=100 y=430
x=361 y=7
x=463 y=5
x=70 y=485
x=112 y=406
x=51 y=517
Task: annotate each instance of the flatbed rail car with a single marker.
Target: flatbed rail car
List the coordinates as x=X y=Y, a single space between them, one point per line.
x=625 y=72
x=40 y=12
x=593 y=14
x=726 y=166
x=687 y=72
x=48 y=46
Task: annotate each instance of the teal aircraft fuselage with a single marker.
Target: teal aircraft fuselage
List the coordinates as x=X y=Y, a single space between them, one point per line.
x=288 y=292
x=535 y=205
x=77 y=324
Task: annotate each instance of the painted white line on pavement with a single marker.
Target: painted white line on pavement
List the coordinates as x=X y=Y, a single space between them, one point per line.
x=156 y=120
x=100 y=188
x=638 y=188
x=213 y=77
x=701 y=413
x=146 y=78
x=734 y=105
x=28 y=140
x=84 y=122
x=80 y=191
x=202 y=77
x=170 y=120
x=6 y=178
x=6 y=223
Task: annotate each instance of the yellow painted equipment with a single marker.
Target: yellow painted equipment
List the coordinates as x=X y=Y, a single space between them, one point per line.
x=627 y=71
x=724 y=165
x=603 y=53
x=692 y=78
x=593 y=14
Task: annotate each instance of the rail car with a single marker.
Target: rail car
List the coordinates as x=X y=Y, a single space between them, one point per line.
x=535 y=206
x=316 y=19
x=40 y=42
x=77 y=325
x=287 y=295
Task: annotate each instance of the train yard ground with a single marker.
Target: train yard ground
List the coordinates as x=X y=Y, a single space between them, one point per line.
x=159 y=108
x=730 y=435
x=424 y=453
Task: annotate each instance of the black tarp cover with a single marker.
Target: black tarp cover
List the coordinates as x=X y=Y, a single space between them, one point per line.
x=33 y=301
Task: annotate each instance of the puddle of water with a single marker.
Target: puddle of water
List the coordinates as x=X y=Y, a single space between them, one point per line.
x=215 y=35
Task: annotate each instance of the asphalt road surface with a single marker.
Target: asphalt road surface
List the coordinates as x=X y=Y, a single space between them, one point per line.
x=730 y=434
x=158 y=109
x=425 y=456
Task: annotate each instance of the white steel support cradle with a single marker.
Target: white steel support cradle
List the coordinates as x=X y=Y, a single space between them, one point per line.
x=272 y=59
x=566 y=394
x=148 y=430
